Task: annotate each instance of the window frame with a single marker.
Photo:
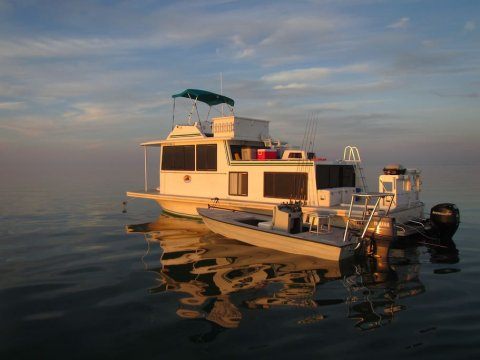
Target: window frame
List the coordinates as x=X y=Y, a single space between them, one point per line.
x=206 y=160
x=302 y=196
x=238 y=173
x=177 y=148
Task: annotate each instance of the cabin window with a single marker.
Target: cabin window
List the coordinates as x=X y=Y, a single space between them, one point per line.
x=178 y=157
x=238 y=183
x=207 y=157
x=236 y=151
x=333 y=176
x=295 y=155
x=387 y=186
x=285 y=185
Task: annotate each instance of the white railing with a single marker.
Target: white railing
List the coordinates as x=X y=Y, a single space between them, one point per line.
x=368 y=211
x=351 y=155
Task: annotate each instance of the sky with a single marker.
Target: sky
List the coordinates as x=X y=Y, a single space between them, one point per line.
x=85 y=82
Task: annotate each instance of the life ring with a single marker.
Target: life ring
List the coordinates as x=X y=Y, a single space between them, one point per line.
x=187 y=178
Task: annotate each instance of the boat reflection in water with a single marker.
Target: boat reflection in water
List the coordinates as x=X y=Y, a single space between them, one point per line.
x=219 y=277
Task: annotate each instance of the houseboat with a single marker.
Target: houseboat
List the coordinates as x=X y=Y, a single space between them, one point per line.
x=232 y=162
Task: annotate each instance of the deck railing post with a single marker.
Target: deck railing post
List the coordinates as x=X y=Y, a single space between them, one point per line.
x=146 y=175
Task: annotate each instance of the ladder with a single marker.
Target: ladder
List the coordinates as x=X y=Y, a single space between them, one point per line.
x=351 y=155
x=368 y=212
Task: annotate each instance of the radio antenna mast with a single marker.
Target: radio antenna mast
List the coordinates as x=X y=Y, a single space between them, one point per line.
x=221 y=89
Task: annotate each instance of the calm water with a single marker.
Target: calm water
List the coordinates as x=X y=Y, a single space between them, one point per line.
x=81 y=279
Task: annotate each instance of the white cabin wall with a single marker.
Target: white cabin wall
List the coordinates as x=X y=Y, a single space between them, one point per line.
x=202 y=183
x=216 y=183
x=255 y=180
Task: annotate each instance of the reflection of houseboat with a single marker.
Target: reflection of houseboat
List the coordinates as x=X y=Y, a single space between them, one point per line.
x=217 y=279
x=209 y=270
x=233 y=161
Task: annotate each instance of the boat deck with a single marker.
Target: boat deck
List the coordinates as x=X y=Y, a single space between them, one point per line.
x=244 y=226
x=334 y=237
x=340 y=210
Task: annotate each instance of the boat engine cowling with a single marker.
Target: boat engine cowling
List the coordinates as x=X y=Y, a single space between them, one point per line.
x=445 y=219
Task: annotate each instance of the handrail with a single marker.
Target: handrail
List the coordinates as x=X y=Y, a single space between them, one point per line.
x=351 y=155
x=367 y=196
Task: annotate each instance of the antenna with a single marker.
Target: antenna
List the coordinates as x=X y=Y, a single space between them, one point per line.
x=221 y=89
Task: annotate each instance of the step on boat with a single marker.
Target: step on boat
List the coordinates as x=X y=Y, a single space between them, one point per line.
x=285 y=231
x=234 y=162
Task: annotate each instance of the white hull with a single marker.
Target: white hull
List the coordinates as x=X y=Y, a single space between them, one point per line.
x=186 y=206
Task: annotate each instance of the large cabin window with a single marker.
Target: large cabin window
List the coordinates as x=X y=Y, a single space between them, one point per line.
x=178 y=157
x=238 y=184
x=333 y=176
x=207 y=157
x=285 y=185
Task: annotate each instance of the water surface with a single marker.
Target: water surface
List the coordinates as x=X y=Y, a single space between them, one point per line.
x=82 y=279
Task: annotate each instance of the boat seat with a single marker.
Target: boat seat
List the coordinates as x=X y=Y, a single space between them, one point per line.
x=268 y=225
x=320 y=223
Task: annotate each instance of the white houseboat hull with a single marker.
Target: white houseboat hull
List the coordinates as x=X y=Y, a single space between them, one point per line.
x=186 y=206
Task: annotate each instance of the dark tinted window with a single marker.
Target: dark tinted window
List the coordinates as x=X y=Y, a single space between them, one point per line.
x=236 y=151
x=178 y=157
x=207 y=157
x=285 y=185
x=348 y=176
x=332 y=176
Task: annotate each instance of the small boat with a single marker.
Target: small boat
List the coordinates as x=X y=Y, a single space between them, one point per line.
x=284 y=231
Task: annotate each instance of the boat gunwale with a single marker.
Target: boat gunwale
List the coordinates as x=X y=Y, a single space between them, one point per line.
x=332 y=243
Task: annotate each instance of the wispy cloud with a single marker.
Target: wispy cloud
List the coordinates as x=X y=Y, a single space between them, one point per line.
x=337 y=88
x=12 y=105
x=401 y=23
x=468 y=95
x=314 y=73
x=469 y=26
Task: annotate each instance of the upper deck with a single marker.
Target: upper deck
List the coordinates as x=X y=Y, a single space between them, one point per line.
x=221 y=128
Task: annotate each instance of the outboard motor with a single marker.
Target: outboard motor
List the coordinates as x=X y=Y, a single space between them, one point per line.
x=445 y=219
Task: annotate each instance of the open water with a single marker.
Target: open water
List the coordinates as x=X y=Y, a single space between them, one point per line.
x=81 y=279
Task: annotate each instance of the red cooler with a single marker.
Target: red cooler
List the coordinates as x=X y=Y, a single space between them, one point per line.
x=265 y=154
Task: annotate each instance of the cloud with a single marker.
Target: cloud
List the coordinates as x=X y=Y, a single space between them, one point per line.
x=466 y=95
x=86 y=112
x=400 y=23
x=314 y=73
x=60 y=47
x=470 y=26
x=12 y=105
x=336 y=88
x=434 y=62
x=245 y=53
x=28 y=126
x=293 y=86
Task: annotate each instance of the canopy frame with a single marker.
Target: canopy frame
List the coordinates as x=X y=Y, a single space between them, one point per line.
x=207 y=97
